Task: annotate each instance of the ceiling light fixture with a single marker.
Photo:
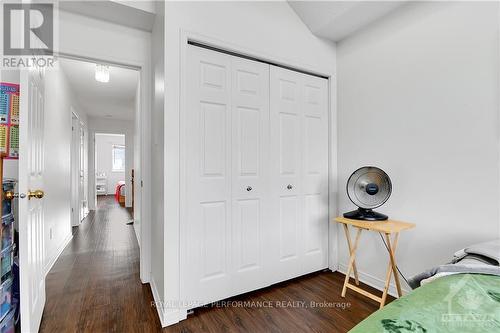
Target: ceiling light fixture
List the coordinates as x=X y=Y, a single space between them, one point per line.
x=102 y=73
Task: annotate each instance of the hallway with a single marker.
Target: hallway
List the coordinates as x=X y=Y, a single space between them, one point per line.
x=94 y=285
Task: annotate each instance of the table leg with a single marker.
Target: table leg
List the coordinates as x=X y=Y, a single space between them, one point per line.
x=392 y=251
x=348 y=237
x=351 y=262
x=391 y=268
x=386 y=286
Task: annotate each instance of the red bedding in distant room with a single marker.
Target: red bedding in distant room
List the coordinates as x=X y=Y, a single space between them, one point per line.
x=118 y=190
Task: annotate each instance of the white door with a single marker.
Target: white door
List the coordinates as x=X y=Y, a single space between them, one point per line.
x=82 y=200
x=250 y=163
x=227 y=164
x=314 y=106
x=208 y=183
x=75 y=212
x=299 y=172
x=286 y=134
x=31 y=208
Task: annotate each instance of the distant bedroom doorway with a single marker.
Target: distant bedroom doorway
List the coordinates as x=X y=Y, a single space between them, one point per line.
x=113 y=168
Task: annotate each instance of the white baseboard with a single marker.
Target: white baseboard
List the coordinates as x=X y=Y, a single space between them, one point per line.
x=158 y=303
x=374 y=282
x=172 y=316
x=333 y=267
x=61 y=248
x=167 y=316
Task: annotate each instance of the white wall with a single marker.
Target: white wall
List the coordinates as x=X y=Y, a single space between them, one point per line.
x=418 y=96
x=157 y=157
x=59 y=101
x=110 y=126
x=270 y=30
x=104 y=146
x=102 y=40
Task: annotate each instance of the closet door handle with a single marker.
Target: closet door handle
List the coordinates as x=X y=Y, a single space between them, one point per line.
x=289 y=186
x=249 y=188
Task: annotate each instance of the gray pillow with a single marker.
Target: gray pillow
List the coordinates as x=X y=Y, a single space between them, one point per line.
x=489 y=250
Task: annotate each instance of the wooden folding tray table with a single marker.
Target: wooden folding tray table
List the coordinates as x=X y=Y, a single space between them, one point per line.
x=386 y=229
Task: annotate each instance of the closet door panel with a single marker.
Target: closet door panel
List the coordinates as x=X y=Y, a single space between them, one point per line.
x=208 y=184
x=250 y=136
x=289 y=224
x=213 y=142
x=285 y=172
x=314 y=104
x=213 y=247
x=248 y=142
x=288 y=143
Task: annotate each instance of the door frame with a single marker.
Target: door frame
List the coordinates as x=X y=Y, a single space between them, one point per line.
x=84 y=163
x=144 y=126
x=174 y=231
x=75 y=194
x=76 y=163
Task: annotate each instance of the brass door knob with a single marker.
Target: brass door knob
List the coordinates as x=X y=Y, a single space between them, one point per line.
x=9 y=195
x=35 y=194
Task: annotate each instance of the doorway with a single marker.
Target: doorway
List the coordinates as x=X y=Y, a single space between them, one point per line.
x=79 y=170
x=113 y=169
x=107 y=97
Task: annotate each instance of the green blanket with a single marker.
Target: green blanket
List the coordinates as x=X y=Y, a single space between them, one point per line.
x=455 y=303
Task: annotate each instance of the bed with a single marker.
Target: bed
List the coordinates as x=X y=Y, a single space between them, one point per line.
x=120 y=193
x=462 y=296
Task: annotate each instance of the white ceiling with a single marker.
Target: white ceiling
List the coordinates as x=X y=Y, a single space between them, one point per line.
x=115 y=99
x=335 y=20
x=329 y=19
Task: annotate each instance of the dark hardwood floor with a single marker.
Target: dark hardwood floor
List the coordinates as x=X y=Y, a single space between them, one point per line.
x=94 y=287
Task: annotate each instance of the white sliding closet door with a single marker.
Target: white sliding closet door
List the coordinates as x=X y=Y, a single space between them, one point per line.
x=227 y=167
x=256 y=201
x=299 y=172
x=250 y=164
x=208 y=169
